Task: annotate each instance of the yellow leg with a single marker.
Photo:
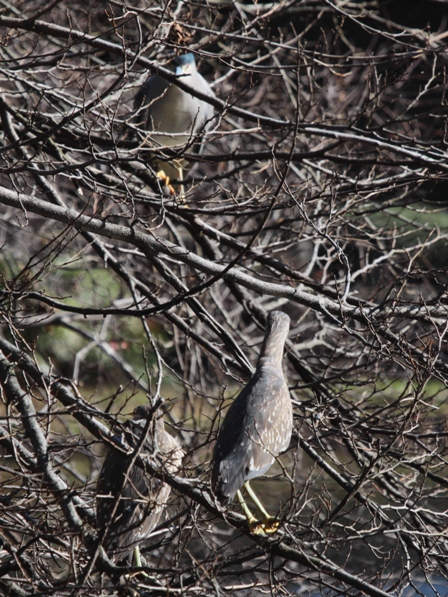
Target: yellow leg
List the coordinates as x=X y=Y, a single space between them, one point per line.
x=166 y=181
x=137 y=557
x=256 y=501
x=250 y=517
x=270 y=524
x=253 y=522
x=180 y=173
x=138 y=562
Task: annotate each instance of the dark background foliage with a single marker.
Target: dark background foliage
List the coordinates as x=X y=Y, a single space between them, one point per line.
x=320 y=191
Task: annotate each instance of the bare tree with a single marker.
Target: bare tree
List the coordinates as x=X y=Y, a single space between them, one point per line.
x=320 y=192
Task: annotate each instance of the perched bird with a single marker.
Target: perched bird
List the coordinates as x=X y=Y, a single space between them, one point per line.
x=129 y=502
x=256 y=428
x=174 y=117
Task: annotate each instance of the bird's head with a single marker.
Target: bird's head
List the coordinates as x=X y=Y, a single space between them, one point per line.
x=147 y=411
x=185 y=64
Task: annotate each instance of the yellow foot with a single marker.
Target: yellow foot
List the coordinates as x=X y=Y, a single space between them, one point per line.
x=166 y=181
x=268 y=527
x=135 y=574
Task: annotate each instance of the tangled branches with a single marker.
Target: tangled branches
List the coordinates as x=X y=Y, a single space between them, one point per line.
x=320 y=191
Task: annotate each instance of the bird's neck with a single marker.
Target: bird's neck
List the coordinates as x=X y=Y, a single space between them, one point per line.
x=272 y=348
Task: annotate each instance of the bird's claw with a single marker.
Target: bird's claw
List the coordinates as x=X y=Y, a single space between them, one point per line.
x=132 y=575
x=268 y=527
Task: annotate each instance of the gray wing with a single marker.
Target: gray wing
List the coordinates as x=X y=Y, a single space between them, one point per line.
x=128 y=508
x=151 y=92
x=130 y=502
x=256 y=429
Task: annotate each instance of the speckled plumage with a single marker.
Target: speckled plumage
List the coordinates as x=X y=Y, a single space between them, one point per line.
x=258 y=424
x=129 y=502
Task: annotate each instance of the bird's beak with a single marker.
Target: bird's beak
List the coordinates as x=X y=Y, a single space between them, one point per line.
x=183 y=70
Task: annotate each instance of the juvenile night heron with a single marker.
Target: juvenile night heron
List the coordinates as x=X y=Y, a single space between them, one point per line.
x=256 y=428
x=175 y=117
x=129 y=502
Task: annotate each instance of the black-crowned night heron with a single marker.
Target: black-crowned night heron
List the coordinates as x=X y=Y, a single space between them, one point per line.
x=175 y=117
x=129 y=502
x=257 y=426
